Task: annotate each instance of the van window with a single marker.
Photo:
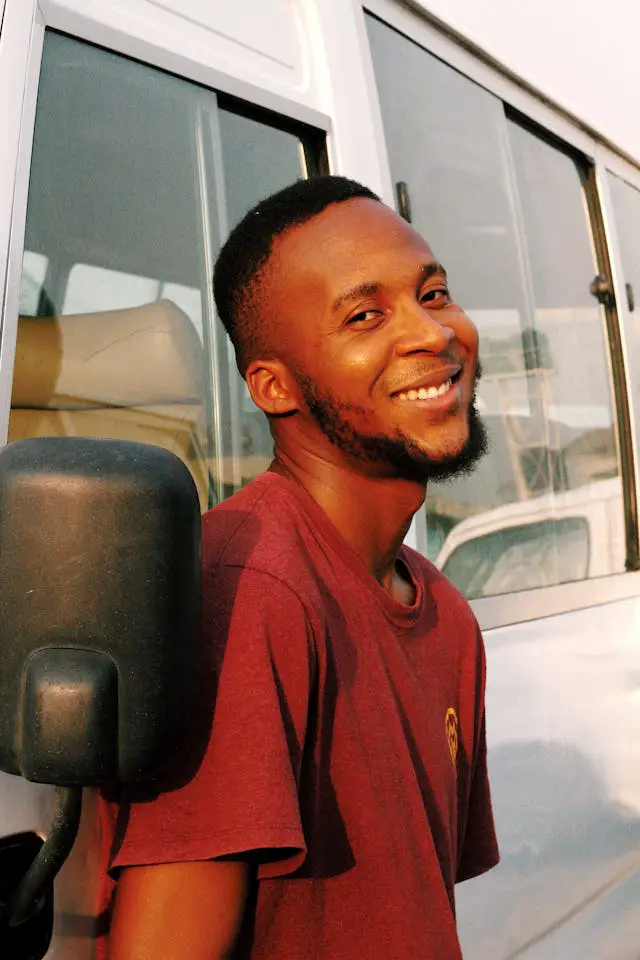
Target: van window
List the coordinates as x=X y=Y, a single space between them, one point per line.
x=127 y=206
x=626 y=209
x=505 y=212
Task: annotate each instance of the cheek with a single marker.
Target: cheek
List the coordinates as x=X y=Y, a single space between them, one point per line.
x=466 y=332
x=354 y=367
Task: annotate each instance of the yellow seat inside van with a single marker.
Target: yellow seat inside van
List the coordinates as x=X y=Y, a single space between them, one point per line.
x=135 y=374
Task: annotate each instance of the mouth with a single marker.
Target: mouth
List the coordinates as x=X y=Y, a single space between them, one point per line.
x=428 y=390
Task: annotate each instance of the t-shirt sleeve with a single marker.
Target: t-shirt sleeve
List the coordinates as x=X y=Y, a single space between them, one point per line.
x=480 y=846
x=244 y=798
x=479 y=850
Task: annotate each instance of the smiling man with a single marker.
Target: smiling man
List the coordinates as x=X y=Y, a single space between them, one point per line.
x=344 y=790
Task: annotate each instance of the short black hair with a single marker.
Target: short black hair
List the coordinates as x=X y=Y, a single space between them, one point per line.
x=239 y=267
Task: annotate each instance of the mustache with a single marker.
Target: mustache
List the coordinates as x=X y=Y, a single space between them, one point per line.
x=420 y=371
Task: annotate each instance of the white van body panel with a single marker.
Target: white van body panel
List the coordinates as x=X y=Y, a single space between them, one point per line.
x=563 y=715
x=564 y=51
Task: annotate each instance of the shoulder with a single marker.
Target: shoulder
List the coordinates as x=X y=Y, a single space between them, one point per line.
x=263 y=534
x=250 y=524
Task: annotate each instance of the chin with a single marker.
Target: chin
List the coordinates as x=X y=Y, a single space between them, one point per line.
x=450 y=445
x=457 y=453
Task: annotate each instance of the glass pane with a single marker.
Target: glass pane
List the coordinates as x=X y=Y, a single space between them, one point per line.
x=34 y=271
x=258 y=160
x=572 y=406
x=444 y=137
x=115 y=209
x=626 y=208
x=505 y=213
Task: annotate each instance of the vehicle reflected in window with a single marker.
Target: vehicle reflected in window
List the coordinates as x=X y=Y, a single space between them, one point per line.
x=520 y=558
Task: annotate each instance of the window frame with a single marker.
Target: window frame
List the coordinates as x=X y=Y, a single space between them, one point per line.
x=554 y=124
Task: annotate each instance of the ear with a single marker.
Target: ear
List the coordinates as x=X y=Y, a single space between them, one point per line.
x=272 y=387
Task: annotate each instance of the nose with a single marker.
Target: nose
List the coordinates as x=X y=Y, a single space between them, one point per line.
x=420 y=330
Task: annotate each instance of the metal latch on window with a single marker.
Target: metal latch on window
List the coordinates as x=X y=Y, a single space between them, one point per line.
x=404 y=200
x=631 y=303
x=602 y=290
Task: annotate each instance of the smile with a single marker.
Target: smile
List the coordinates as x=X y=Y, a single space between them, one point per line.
x=425 y=393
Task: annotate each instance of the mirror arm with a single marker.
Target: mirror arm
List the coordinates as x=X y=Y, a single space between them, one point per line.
x=50 y=858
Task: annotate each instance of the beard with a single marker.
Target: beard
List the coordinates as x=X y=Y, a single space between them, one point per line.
x=398 y=455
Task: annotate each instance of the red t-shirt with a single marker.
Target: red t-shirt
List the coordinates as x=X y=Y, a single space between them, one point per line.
x=347 y=751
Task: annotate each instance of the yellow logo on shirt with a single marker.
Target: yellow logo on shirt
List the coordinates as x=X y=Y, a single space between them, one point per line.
x=451 y=729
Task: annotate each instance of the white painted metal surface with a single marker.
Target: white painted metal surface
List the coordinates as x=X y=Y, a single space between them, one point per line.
x=581 y=54
x=563 y=702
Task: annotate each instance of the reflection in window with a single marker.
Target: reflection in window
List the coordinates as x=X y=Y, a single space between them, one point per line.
x=505 y=212
x=34 y=271
x=521 y=557
x=94 y=288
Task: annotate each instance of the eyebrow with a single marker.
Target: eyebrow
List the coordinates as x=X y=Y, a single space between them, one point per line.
x=429 y=270
x=362 y=290
x=433 y=269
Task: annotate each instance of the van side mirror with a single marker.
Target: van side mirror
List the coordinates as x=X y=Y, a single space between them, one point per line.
x=99 y=617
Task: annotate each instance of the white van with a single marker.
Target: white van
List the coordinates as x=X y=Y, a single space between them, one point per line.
x=135 y=133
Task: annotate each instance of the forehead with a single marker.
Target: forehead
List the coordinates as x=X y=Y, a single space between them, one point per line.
x=358 y=241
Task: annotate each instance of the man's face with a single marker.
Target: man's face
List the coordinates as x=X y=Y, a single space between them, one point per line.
x=386 y=362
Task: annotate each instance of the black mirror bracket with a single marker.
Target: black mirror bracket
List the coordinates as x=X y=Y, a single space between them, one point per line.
x=49 y=859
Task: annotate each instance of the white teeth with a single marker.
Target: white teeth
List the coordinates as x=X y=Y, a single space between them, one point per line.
x=425 y=393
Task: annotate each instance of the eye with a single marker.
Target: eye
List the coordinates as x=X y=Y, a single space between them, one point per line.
x=365 y=317
x=437 y=296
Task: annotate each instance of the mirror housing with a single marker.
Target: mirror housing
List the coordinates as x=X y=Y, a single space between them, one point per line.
x=99 y=609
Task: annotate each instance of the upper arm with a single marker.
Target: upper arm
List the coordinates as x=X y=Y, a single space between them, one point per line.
x=175 y=910
x=243 y=799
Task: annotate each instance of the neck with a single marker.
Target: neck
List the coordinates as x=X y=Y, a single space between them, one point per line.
x=373 y=514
